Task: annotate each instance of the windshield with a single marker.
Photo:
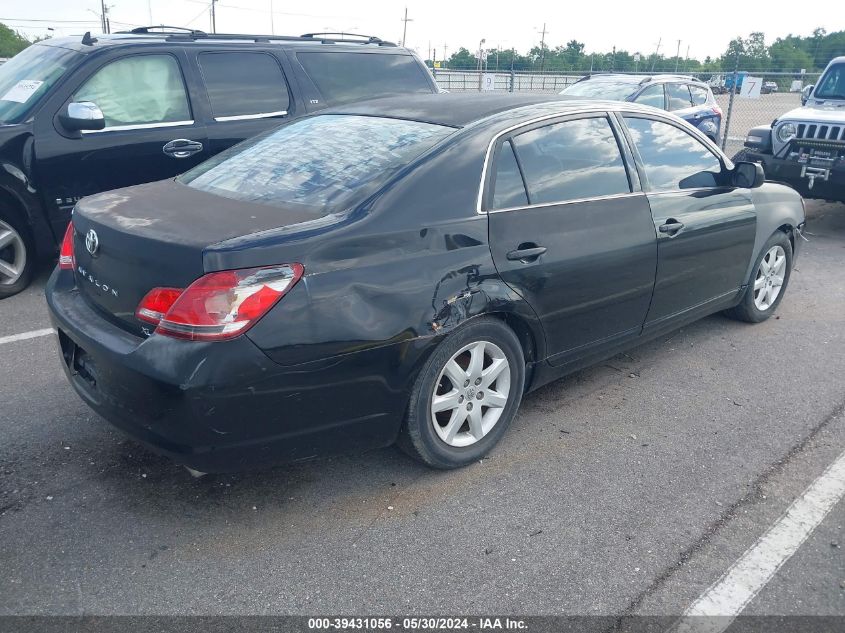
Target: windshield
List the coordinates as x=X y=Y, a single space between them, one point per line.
x=614 y=90
x=832 y=85
x=322 y=162
x=26 y=77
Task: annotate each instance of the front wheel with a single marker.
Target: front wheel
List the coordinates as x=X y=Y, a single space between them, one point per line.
x=768 y=281
x=17 y=255
x=466 y=395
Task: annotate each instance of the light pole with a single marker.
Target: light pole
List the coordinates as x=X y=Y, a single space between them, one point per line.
x=480 y=45
x=406 y=19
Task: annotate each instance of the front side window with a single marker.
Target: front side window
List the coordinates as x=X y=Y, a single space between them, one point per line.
x=832 y=85
x=509 y=190
x=652 y=96
x=571 y=160
x=318 y=163
x=679 y=96
x=699 y=95
x=673 y=159
x=240 y=84
x=142 y=89
x=346 y=77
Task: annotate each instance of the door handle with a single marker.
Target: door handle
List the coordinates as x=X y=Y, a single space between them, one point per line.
x=671 y=227
x=182 y=148
x=526 y=253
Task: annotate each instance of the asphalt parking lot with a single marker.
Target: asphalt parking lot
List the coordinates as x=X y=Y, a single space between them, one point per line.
x=627 y=488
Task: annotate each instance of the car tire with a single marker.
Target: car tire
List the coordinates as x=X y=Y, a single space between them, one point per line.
x=476 y=409
x=763 y=294
x=17 y=254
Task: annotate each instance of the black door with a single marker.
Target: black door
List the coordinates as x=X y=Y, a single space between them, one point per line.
x=579 y=246
x=705 y=228
x=247 y=94
x=150 y=132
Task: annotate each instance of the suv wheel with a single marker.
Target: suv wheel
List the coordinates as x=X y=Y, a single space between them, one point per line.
x=17 y=255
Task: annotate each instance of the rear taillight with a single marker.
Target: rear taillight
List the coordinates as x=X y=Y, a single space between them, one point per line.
x=66 y=260
x=717 y=109
x=219 y=305
x=156 y=303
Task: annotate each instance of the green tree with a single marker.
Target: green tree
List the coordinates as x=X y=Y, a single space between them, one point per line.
x=11 y=42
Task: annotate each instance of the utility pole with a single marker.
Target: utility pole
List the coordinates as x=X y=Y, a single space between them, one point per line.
x=686 y=60
x=677 y=55
x=104 y=15
x=406 y=19
x=445 y=53
x=543 y=47
x=213 y=17
x=656 y=53
x=272 y=25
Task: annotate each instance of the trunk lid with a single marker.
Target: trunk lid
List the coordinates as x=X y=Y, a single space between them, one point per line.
x=131 y=240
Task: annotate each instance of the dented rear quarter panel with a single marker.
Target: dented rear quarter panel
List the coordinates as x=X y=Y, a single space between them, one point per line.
x=410 y=265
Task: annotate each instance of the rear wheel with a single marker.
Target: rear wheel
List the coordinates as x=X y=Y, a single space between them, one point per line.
x=466 y=395
x=768 y=281
x=17 y=254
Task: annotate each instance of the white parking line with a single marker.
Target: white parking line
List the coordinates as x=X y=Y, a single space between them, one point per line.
x=26 y=335
x=729 y=595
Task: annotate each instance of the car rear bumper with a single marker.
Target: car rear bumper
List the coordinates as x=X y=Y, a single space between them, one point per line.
x=829 y=186
x=226 y=406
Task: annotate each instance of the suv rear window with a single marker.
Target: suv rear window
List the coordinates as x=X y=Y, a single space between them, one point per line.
x=242 y=84
x=321 y=162
x=347 y=77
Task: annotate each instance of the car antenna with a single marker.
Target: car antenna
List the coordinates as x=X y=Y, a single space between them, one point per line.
x=87 y=40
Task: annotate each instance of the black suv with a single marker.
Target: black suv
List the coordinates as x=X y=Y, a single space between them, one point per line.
x=83 y=115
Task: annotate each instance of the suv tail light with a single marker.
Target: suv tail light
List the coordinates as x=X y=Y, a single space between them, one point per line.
x=66 y=259
x=220 y=305
x=717 y=109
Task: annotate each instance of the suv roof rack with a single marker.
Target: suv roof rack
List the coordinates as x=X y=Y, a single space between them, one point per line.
x=178 y=32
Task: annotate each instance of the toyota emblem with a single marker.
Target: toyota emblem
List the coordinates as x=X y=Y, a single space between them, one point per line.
x=92 y=242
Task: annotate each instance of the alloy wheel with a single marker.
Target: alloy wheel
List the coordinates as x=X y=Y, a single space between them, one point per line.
x=769 y=279
x=471 y=393
x=12 y=254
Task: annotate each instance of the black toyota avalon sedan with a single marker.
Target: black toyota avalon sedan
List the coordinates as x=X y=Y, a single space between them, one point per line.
x=404 y=270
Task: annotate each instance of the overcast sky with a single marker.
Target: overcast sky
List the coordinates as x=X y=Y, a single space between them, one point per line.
x=636 y=26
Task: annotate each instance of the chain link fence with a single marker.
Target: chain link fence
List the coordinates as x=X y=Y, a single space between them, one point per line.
x=747 y=98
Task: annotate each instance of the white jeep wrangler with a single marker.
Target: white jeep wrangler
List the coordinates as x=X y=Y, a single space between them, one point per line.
x=805 y=148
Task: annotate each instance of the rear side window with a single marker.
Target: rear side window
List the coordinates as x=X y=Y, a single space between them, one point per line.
x=346 y=77
x=322 y=162
x=673 y=159
x=571 y=160
x=652 y=96
x=509 y=190
x=699 y=95
x=142 y=89
x=240 y=84
x=679 y=96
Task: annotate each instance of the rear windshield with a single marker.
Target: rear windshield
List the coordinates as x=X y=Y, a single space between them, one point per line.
x=324 y=163
x=603 y=89
x=347 y=77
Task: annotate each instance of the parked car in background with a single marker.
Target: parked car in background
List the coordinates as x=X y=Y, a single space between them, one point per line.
x=84 y=115
x=684 y=96
x=805 y=147
x=404 y=269
x=768 y=87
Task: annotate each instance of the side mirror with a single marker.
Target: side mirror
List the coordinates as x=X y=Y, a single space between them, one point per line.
x=83 y=115
x=805 y=93
x=748 y=175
